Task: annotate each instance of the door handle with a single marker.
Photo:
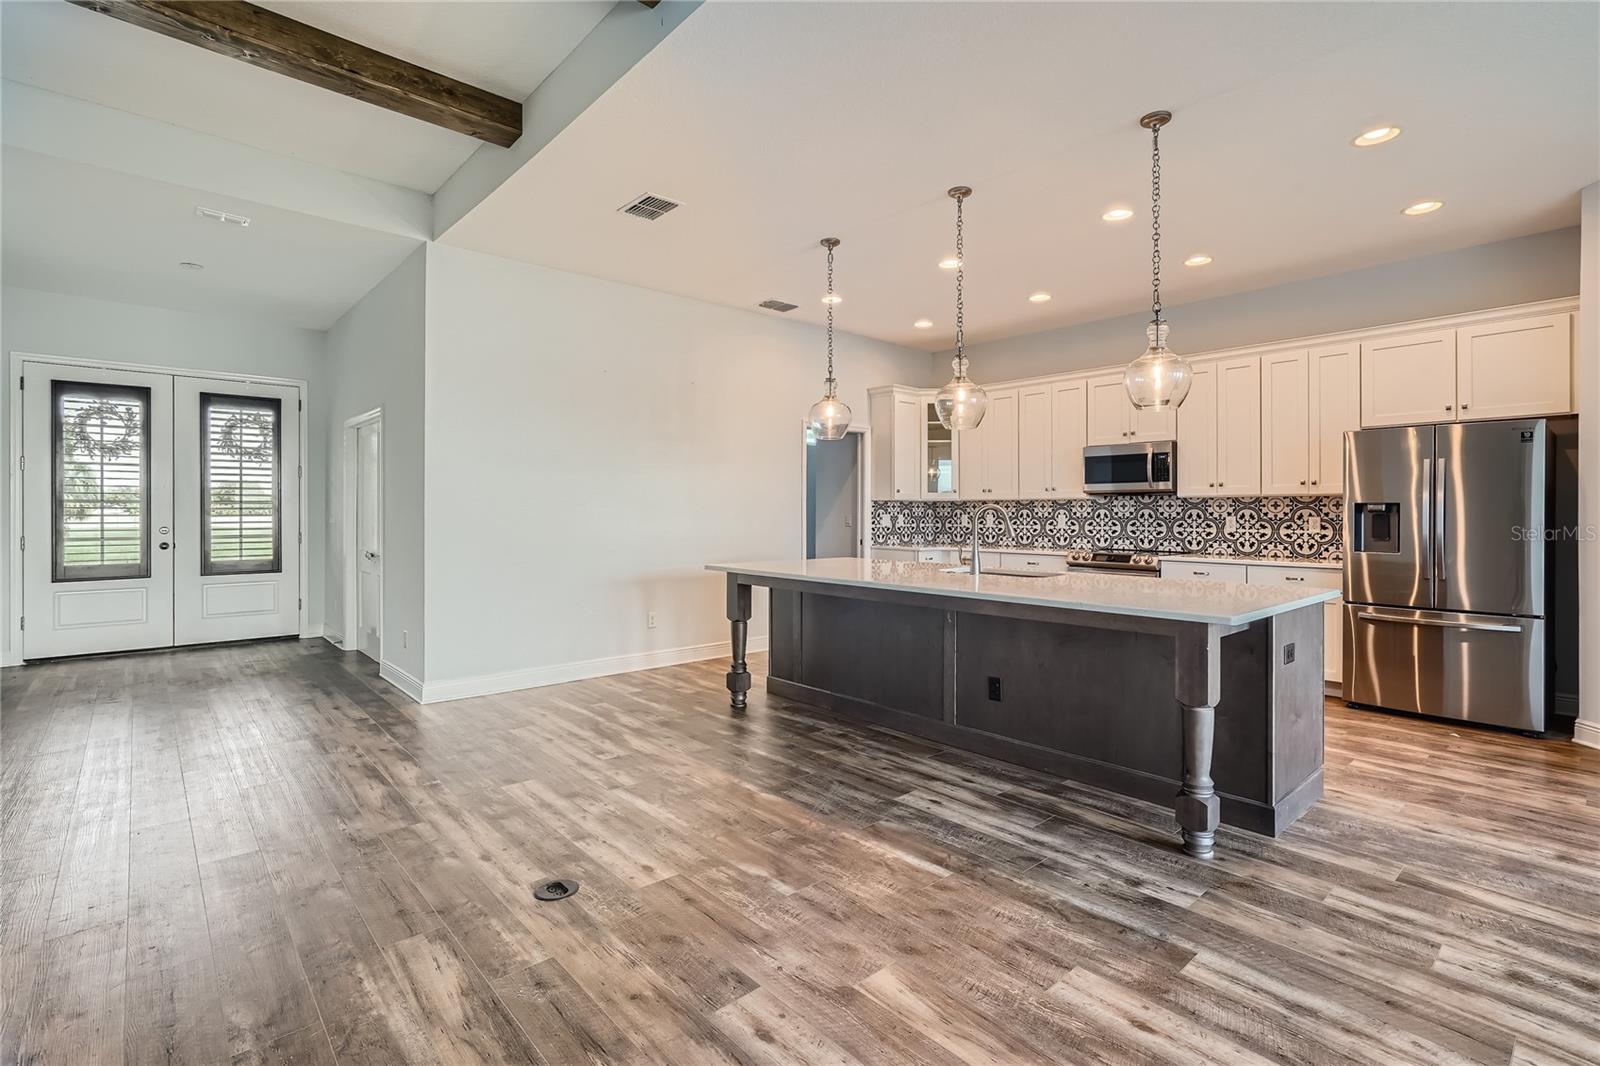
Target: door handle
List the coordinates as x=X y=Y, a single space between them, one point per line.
x=163 y=545
x=370 y=555
x=1439 y=623
x=1440 y=485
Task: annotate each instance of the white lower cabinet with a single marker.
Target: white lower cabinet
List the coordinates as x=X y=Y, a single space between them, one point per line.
x=1043 y=564
x=1206 y=571
x=1332 y=611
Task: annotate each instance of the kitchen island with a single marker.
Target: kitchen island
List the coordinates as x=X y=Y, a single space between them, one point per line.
x=1134 y=684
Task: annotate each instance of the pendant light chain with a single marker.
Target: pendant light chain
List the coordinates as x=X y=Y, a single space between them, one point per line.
x=1155 y=220
x=961 y=269
x=832 y=385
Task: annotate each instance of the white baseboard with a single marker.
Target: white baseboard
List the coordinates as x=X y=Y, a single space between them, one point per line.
x=1586 y=733
x=539 y=676
x=336 y=639
x=313 y=632
x=401 y=680
x=1566 y=704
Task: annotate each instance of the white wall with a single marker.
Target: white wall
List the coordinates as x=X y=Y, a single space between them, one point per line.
x=1541 y=267
x=1588 y=725
x=375 y=359
x=48 y=323
x=590 y=447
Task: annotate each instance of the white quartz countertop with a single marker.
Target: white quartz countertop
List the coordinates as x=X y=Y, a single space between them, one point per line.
x=1242 y=560
x=1174 y=599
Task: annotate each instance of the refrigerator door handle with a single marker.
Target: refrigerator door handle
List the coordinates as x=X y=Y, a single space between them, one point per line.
x=1440 y=486
x=1429 y=565
x=1407 y=620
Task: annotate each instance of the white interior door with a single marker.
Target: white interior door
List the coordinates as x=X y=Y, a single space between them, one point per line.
x=369 y=540
x=97 y=510
x=236 y=461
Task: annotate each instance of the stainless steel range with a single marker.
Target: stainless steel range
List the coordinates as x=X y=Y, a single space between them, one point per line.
x=1114 y=562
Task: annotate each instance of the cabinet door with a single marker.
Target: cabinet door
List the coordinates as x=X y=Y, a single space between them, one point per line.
x=1109 y=410
x=907 y=462
x=1000 y=446
x=1514 y=369
x=1409 y=379
x=1239 y=427
x=970 y=473
x=1333 y=641
x=938 y=456
x=1152 y=423
x=1285 y=424
x=1335 y=410
x=1034 y=445
x=1197 y=435
x=1068 y=423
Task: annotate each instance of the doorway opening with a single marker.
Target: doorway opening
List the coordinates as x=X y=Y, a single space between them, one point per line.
x=835 y=490
x=363 y=534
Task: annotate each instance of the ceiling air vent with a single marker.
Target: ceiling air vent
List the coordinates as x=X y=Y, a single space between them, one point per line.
x=648 y=207
x=777 y=305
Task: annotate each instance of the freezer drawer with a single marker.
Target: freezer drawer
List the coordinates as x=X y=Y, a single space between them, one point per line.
x=1480 y=668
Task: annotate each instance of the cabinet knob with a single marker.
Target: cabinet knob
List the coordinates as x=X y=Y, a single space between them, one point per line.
x=1463 y=407
x=1448 y=407
x=1313 y=481
x=1302 y=481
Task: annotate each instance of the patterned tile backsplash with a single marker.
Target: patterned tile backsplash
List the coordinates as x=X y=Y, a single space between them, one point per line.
x=1273 y=527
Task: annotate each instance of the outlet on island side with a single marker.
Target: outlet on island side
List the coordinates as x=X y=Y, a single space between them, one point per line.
x=994 y=689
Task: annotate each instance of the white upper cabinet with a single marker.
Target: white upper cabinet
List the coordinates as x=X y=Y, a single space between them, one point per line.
x=987 y=455
x=1068 y=425
x=1034 y=458
x=1197 y=435
x=1285 y=423
x=1219 y=430
x=1114 y=420
x=938 y=455
x=1409 y=378
x=1335 y=371
x=1309 y=399
x=1238 y=426
x=895 y=416
x=1050 y=437
x=1514 y=369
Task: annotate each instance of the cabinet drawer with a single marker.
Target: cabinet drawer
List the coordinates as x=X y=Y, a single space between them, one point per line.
x=1051 y=564
x=936 y=555
x=908 y=554
x=1205 y=571
x=1296 y=575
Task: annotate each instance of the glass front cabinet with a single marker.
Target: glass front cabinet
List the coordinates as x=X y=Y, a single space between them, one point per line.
x=913 y=456
x=938 y=456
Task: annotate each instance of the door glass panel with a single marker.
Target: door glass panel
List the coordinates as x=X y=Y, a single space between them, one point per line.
x=941 y=472
x=101 y=471
x=240 y=517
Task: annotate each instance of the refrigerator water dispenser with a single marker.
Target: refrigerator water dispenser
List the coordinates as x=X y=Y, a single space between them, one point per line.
x=1378 y=527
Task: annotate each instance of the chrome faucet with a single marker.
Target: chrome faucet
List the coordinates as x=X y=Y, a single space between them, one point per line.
x=983 y=509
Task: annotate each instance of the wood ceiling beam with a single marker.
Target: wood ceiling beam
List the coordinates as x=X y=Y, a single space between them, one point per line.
x=273 y=42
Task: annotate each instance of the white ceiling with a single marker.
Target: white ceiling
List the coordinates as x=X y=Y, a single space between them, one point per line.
x=507 y=48
x=75 y=228
x=777 y=124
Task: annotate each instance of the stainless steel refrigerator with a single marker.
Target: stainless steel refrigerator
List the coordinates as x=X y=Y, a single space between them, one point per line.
x=1444 y=574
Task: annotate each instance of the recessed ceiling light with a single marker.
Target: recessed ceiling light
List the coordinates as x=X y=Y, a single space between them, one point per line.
x=949 y=262
x=1197 y=261
x=833 y=298
x=1118 y=214
x=1376 y=136
x=1040 y=297
x=922 y=323
x=1424 y=207
x=186 y=265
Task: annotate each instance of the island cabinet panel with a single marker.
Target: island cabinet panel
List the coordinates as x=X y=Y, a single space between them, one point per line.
x=1086 y=700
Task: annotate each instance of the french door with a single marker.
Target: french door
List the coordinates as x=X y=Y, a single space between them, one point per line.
x=157 y=509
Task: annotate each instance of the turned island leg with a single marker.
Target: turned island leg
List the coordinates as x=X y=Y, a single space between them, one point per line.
x=739 y=622
x=1199 y=689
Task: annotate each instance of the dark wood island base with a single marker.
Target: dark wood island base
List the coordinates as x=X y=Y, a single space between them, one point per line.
x=1228 y=716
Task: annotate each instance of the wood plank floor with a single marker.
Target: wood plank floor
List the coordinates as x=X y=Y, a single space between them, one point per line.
x=263 y=854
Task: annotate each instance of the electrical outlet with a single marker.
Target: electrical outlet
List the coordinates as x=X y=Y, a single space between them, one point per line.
x=405 y=638
x=649 y=619
x=1288 y=654
x=994 y=689
x=1230 y=525
x=1314 y=523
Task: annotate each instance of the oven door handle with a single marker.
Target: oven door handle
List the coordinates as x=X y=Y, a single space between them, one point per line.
x=1440 y=623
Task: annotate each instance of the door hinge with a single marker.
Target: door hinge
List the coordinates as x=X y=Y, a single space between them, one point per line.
x=22 y=383
x=22 y=462
x=24 y=545
x=300 y=604
x=22 y=623
x=299 y=405
x=299 y=471
x=299 y=538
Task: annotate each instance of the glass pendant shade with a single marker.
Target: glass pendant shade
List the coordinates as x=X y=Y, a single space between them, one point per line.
x=1160 y=377
x=961 y=403
x=829 y=418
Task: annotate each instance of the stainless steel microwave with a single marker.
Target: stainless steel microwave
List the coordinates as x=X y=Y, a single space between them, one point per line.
x=1138 y=468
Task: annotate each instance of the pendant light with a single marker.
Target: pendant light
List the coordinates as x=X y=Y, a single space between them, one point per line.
x=1160 y=378
x=829 y=418
x=960 y=403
